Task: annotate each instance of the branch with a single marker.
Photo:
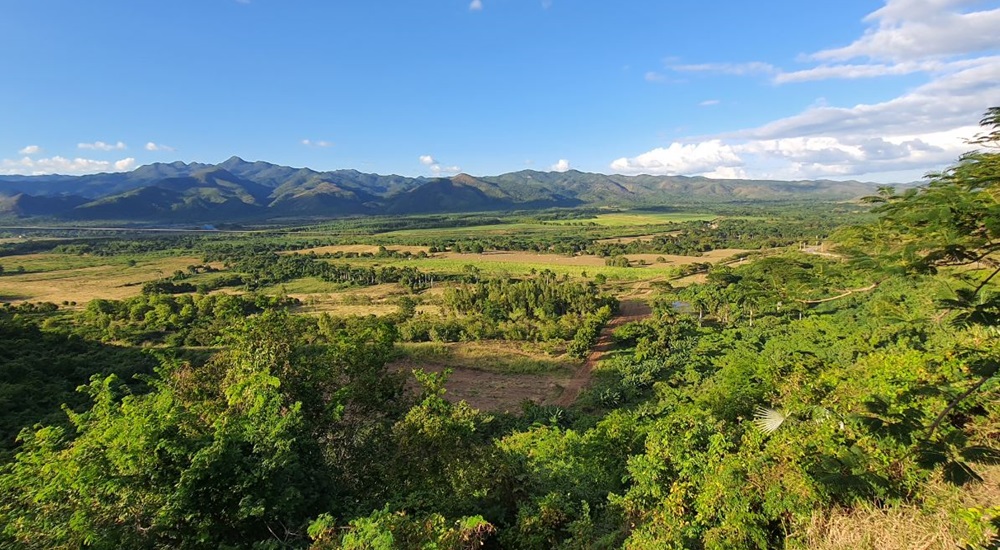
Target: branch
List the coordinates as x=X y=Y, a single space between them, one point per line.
x=951 y=406
x=844 y=295
x=986 y=280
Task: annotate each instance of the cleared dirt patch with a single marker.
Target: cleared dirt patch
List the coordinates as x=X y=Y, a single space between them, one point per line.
x=492 y=376
x=494 y=392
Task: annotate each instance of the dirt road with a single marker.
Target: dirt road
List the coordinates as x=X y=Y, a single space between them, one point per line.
x=630 y=310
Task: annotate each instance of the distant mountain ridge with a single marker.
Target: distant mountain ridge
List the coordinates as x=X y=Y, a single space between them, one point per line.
x=240 y=190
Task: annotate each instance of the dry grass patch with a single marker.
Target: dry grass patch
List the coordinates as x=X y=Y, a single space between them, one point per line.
x=374 y=300
x=712 y=257
x=82 y=284
x=358 y=248
x=933 y=527
x=640 y=238
x=342 y=310
x=542 y=260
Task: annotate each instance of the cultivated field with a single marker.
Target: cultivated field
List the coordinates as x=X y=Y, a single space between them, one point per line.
x=62 y=277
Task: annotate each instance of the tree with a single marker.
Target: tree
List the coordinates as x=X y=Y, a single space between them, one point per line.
x=244 y=450
x=953 y=220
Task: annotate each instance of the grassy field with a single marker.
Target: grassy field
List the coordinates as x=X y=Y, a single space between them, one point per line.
x=522 y=263
x=62 y=277
x=611 y=223
x=68 y=277
x=628 y=219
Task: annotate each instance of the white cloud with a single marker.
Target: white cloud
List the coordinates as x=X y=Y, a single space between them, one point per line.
x=904 y=37
x=653 y=76
x=546 y=4
x=905 y=30
x=727 y=173
x=62 y=165
x=680 y=159
x=30 y=150
x=922 y=129
x=560 y=166
x=439 y=170
x=150 y=146
x=709 y=103
x=102 y=146
x=124 y=165
x=476 y=5
x=318 y=143
x=949 y=101
x=738 y=69
x=436 y=168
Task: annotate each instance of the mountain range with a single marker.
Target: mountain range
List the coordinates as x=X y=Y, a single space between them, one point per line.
x=237 y=190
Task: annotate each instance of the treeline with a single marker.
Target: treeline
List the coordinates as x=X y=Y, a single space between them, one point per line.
x=543 y=308
x=189 y=320
x=269 y=268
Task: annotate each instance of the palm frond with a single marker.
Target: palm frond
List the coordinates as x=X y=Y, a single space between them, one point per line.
x=768 y=420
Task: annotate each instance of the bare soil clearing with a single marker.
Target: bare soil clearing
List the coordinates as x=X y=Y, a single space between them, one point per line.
x=491 y=391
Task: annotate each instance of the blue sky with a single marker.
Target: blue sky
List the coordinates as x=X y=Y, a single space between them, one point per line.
x=873 y=90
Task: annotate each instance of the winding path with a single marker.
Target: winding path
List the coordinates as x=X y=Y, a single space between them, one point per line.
x=628 y=311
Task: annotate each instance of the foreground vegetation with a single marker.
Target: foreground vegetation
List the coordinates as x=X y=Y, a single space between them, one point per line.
x=786 y=400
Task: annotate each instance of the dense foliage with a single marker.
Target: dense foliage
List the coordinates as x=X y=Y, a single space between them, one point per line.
x=774 y=391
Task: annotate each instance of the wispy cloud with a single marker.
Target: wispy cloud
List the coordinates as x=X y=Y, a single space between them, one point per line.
x=908 y=30
x=708 y=103
x=738 y=69
x=30 y=150
x=151 y=146
x=63 y=165
x=921 y=130
x=317 y=143
x=102 y=146
x=439 y=170
x=476 y=5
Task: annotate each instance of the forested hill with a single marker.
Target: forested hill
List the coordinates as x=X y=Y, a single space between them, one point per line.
x=241 y=190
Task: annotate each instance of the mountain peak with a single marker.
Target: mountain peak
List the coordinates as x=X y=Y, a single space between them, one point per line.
x=464 y=178
x=232 y=162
